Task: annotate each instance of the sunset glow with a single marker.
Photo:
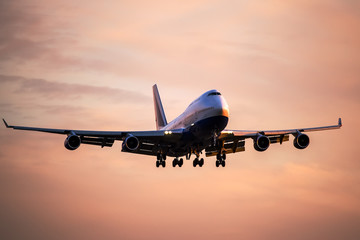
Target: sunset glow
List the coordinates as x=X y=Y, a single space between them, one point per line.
x=91 y=65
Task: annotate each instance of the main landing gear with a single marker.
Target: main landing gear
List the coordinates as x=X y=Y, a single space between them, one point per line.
x=161 y=160
x=178 y=162
x=220 y=159
x=198 y=162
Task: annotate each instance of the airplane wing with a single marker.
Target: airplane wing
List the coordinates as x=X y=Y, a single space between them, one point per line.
x=147 y=139
x=234 y=140
x=254 y=133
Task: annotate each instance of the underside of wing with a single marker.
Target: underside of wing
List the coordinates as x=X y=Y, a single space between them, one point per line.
x=253 y=133
x=232 y=141
x=152 y=143
x=143 y=142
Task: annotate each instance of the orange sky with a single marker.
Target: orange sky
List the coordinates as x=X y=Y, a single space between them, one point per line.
x=91 y=65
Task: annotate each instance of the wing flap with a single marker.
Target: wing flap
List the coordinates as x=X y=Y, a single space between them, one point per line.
x=229 y=147
x=279 y=139
x=99 y=141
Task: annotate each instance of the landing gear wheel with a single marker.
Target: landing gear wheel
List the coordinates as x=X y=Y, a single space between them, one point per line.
x=157 y=164
x=195 y=162
x=223 y=163
x=163 y=163
x=174 y=162
x=224 y=156
x=181 y=162
x=201 y=162
x=217 y=163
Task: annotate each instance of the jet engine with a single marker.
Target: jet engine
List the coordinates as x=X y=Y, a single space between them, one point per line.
x=301 y=141
x=261 y=143
x=72 y=142
x=131 y=143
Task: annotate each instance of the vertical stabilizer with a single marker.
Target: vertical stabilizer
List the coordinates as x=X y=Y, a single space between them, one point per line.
x=160 y=117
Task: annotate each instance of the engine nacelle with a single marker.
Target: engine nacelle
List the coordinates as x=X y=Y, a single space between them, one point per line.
x=72 y=142
x=131 y=143
x=301 y=141
x=261 y=143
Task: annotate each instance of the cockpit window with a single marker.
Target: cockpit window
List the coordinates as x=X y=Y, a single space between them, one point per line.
x=214 y=93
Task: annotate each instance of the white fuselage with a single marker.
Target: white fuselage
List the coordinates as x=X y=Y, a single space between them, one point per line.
x=210 y=104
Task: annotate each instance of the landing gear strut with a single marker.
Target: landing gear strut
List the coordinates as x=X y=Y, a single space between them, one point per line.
x=220 y=160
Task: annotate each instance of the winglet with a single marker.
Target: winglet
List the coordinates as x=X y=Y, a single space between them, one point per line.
x=6 y=123
x=340 y=122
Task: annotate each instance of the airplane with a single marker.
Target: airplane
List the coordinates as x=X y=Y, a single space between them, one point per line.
x=201 y=127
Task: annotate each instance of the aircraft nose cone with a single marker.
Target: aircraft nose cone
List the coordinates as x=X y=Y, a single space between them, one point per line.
x=222 y=107
x=225 y=112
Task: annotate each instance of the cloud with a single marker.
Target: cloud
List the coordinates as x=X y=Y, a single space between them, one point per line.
x=30 y=38
x=24 y=32
x=67 y=91
x=78 y=106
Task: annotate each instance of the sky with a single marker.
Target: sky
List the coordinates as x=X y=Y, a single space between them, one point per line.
x=91 y=65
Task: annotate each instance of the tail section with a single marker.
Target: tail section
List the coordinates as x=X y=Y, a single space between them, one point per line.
x=160 y=117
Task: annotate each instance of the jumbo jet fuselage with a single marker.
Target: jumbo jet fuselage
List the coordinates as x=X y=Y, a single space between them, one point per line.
x=202 y=120
x=209 y=113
